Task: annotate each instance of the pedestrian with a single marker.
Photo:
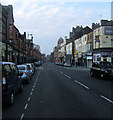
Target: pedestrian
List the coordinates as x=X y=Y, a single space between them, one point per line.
x=76 y=64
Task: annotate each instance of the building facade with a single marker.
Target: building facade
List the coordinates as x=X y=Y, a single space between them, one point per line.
x=89 y=47
x=15 y=47
x=103 y=42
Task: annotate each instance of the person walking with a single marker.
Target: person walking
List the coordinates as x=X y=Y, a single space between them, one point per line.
x=76 y=64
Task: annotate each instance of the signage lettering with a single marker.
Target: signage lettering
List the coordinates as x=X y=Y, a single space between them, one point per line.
x=108 y=31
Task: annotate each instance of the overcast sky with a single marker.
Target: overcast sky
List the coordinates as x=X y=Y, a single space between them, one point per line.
x=48 y=21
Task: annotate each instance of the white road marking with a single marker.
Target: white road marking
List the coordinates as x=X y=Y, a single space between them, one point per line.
x=68 y=76
x=22 y=116
x=31 y=93
x=61 y=72
x=34 y=84
x=81 y=84
x=106 y=99
x=26 y=106
x=29 y=99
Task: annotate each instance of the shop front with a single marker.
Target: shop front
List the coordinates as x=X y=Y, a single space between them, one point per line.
x=84 y=59
x=89 y=59
x=103 y=56
x=10 y=53
x=69 y=59
x=15 y=56
x=3 y=51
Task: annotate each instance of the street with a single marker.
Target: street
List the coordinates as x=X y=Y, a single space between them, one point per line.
x=63 y=92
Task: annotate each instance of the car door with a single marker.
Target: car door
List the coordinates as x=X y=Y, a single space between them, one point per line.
x=15 y=78
x=8 y=74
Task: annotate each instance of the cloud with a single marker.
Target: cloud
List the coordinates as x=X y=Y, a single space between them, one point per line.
x=48 y=21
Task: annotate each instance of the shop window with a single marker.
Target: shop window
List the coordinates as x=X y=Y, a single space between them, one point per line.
x=98 y=31
x=98 y=58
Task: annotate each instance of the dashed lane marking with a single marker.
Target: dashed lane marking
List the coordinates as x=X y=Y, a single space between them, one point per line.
x=22 y=116
x=25 y=106
x=68 y=76
x=29 y=99
x=31 y=93
x=81 y=84
x=61 y=72
x=106 y=99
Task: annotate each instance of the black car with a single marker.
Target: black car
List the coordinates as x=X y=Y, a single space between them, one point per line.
x=101 y=69
x=11 y=82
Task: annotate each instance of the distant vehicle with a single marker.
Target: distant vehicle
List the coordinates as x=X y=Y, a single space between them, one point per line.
x=25 y=73
x=32 y=69
x=11 y=82
x=39 y=63
x=101 y=69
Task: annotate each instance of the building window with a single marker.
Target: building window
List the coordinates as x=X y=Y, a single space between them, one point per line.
x=95 y=32
x=98 y=31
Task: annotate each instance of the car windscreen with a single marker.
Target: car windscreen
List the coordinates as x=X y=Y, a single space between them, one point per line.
x=21 y=68
x=105 y=65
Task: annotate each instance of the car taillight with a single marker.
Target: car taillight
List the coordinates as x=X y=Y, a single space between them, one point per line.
x=3 y=81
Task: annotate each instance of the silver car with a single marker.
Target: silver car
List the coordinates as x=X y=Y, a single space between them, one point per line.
x=32 y=70
x=25 y=73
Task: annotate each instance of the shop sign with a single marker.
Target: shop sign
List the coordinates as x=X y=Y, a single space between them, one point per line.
x=90 y=53
x=75 y=56
x=105 y=54
x=89 y=57
x=108 y=31
x=79 y=56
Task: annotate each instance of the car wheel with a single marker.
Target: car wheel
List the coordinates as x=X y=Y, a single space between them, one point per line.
x=21 y=88
x=92 y=74
x=11 y=100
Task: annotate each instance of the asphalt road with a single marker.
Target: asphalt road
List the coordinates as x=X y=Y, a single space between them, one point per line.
x=62 y=92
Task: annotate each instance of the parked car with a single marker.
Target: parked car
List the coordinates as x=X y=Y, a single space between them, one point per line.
x=101 y=69
x=25 y=73
x=11 y=82
x=30 y=65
